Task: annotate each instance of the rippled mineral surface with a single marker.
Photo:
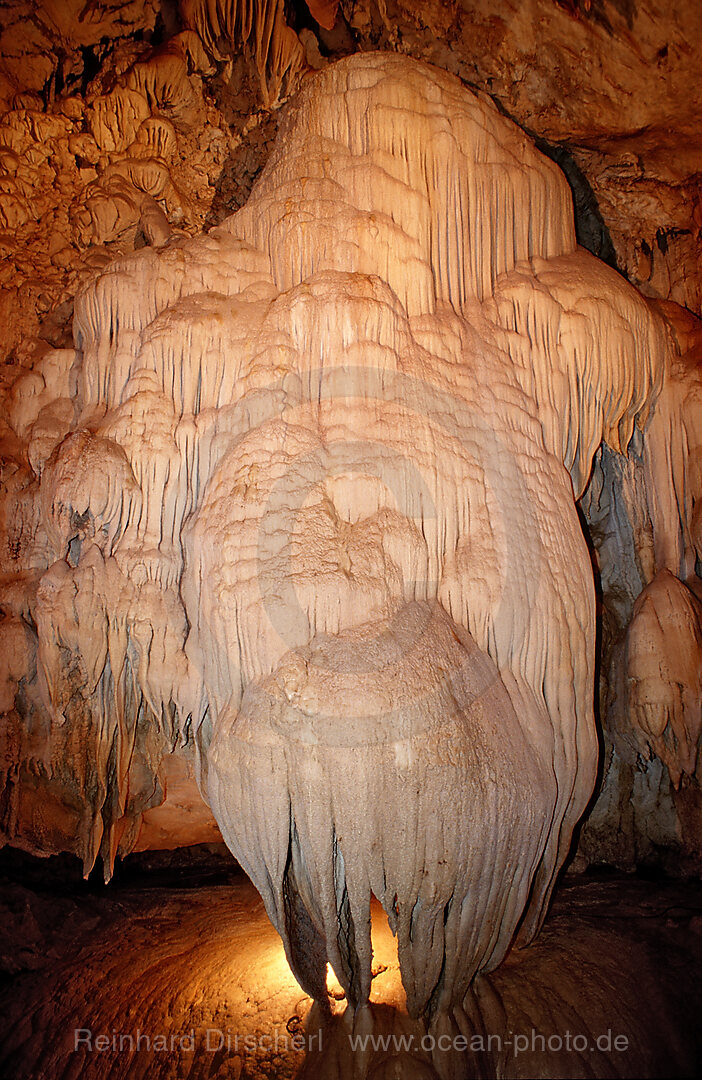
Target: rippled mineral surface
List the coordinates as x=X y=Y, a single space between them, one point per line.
x=179 y=954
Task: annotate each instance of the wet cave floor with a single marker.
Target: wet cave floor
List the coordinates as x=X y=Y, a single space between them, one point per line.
x=173 y=970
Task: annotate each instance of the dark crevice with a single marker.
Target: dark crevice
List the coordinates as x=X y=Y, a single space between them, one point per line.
x=307 y=947
x=590 y=229
x=298 y=16
x=92 y=62
x=664 y=236
x=339 y=41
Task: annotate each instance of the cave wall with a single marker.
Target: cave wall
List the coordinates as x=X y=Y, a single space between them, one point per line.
x=133 y=127
x=605 y=87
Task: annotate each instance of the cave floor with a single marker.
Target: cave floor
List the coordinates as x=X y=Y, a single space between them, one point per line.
x=180 y=974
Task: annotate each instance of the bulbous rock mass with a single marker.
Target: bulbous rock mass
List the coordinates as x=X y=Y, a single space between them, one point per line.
x=313 y=515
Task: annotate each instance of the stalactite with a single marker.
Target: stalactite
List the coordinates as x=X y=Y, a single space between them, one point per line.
x=257 y=25
x=316 y=513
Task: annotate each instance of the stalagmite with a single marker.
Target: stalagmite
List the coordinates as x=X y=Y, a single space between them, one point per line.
x=644 y=514
x=314 y=516
x=662 y=674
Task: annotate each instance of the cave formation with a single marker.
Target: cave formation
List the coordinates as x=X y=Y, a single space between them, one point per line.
x=351 y=514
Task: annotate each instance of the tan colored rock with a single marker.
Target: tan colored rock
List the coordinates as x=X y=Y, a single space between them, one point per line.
x=316 y=514
x=440 y=247
x=663 y=674
x=260 y=28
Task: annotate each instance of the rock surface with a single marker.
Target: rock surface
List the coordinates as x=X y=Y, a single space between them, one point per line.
x=182 y=956
x=200 y=551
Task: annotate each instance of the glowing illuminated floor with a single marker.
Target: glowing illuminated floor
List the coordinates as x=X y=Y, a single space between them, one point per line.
x=159 y=980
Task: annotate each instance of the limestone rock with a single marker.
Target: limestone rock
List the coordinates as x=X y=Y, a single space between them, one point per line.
x=314 y=518
x=311 y=477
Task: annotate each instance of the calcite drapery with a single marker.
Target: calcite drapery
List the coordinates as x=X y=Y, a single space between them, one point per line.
x=337 y=549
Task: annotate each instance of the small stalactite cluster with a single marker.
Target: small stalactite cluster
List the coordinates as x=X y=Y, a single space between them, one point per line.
x=257 y=25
